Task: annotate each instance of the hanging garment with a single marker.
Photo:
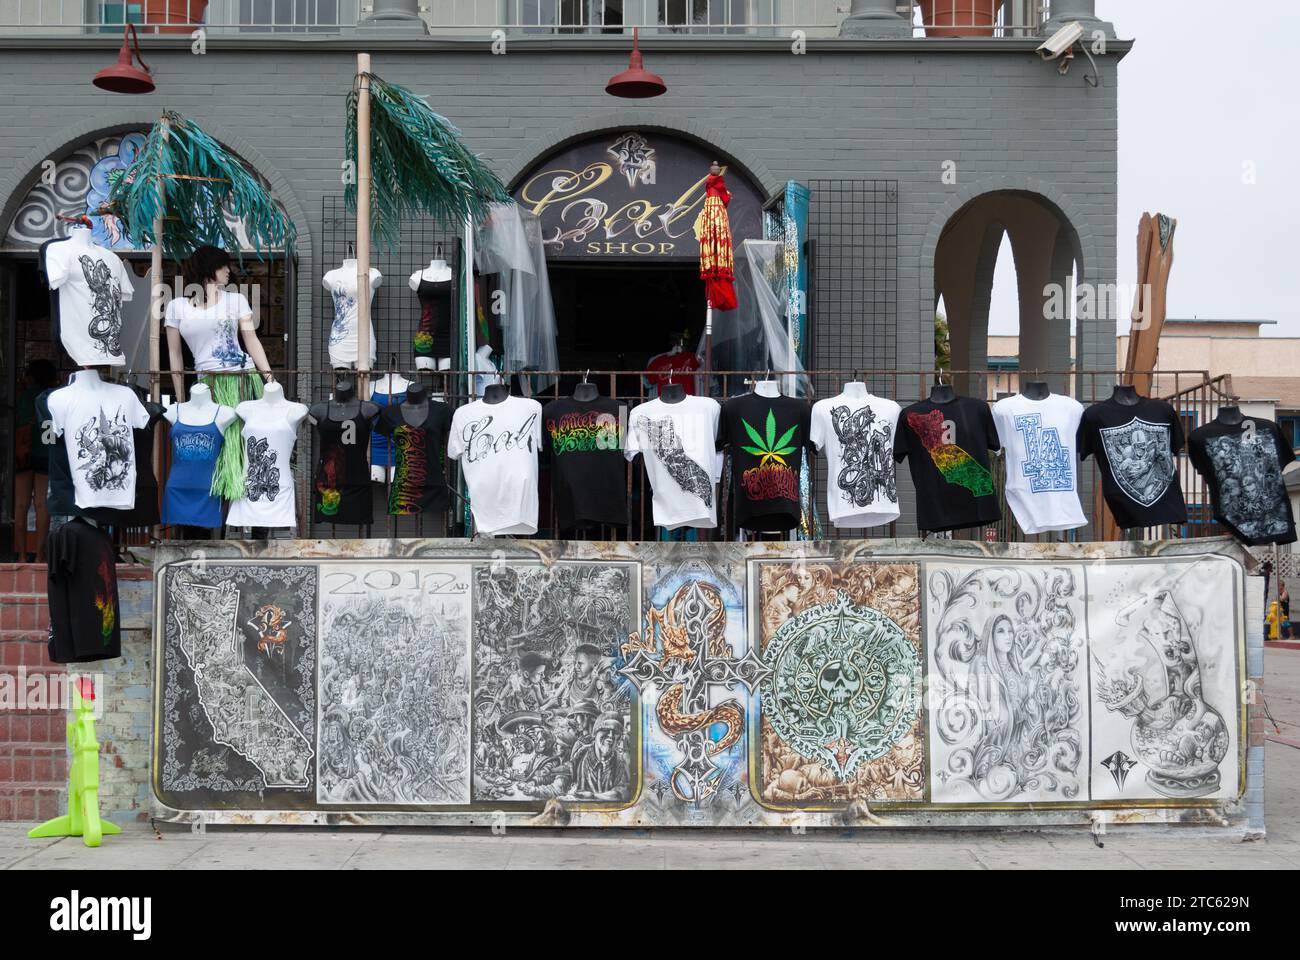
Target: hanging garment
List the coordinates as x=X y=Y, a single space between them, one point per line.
x=679 y=444
x=381 y=447
x=92 y=282
x=856 y=432
x=497 y=445
x=419 y=483
x=950 y=464
x=341 y=492
x=188 y=497
x=268 y=499
x=82 y=592
x=713 y=231
x=342 y=285
x=96 y=420
x=766 y=436
x=433 y=337
x=1136 y=446
x=588 y=472
x=1042 y=472
x=1242 y=465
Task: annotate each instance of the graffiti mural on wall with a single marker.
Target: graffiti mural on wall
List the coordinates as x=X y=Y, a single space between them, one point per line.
x=716 y=684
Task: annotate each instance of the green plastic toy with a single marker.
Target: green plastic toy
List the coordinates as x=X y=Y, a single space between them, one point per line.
x=82 y=819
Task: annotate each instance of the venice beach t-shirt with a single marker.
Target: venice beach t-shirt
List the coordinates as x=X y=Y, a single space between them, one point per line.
x=766 y=437
x=946 y=446
x=588 y=472
x=96 y=420
x=497 y=446
x=679 y=443
x=1242 y=464
x=92 y=282
x=342 y=285
x=1042 y=476
x=1136 y=447
x=856 y=432
x=212 y=331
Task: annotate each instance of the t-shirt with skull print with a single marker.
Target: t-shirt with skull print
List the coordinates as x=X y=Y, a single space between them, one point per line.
x=1242 y=465
x=92 y=283
x=1136 y=447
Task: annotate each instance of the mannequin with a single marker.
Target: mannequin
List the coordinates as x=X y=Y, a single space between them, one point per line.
x=585 y=392
x=344 y=404
x=1230 y=416
x=1035 y=390
x=344 y=330
x=415 y=408
x=432 y=286
x=767 y=388
x=672 y=393
x=388 y=389
x=273 y=399
x=200 y=409
x=494 y=393
x=942 y=393
x=1125 y=394
x=856 y=389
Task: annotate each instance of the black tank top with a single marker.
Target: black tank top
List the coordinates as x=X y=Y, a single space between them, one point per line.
x=341 y=492
x=433 y=338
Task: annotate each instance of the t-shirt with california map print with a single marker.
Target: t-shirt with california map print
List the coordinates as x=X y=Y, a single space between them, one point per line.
x=1136 y=447
x=946 y=446
x=588 y=472
x=679 y=444
x=766 y=437
x=497 y=446
x=1242 y=464
x=856 y=432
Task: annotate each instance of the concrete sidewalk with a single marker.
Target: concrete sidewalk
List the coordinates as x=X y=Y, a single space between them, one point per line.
x=1129 y=848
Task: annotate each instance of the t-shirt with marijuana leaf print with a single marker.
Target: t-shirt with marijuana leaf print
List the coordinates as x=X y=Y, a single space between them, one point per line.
x=766 y=437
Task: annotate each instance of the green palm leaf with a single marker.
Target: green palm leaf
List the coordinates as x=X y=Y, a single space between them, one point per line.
x=753 y=434
x=771 y=429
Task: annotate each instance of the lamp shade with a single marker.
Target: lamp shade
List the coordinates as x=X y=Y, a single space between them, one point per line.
x=635 y=83
x=124 y=76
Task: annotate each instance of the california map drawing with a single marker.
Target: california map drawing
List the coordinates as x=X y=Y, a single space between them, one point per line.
x=957 y=466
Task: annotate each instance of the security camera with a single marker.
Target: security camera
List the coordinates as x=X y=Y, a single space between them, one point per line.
x=1061 y=42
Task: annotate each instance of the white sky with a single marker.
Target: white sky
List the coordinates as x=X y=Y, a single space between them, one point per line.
x=1210 y=86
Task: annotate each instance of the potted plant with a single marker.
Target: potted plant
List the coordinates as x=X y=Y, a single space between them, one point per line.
x=960 y=18
x=174 y=16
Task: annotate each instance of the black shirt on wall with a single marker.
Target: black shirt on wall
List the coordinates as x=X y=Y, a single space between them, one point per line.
x=1242 y=465
x=946 y=446
x=588 y=469
x=1136 y=447
x=82 y=591
x=766 y=437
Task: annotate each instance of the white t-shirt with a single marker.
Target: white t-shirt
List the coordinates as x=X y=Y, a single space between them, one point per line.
x=95 y=420
x=1038 y=437
x=92 y=282
x=212 y=332
x=497 y=446
x=270 y=432
x=856 y=432
x=679 y=442
x=342 y=285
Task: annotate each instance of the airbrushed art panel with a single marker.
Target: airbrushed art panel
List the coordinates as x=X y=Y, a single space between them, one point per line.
x=709 y=684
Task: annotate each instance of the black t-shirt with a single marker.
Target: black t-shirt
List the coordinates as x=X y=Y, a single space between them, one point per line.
x=946 y=446
x=82 y=590
x=342 y=483
x=765 y=436
x=419 y=483
x=1136 y=448
x=588 y=470
x=1242 y=464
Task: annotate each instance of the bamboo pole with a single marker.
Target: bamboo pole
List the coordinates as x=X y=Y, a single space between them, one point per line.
x=363 y=222
x=156 y=320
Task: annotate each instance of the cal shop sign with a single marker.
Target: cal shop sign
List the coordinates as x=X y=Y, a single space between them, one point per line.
x=630 y=196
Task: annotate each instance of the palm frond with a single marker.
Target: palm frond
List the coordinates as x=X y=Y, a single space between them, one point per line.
x=419 y=165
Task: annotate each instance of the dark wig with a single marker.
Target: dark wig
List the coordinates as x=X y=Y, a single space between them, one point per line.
x=205 y=262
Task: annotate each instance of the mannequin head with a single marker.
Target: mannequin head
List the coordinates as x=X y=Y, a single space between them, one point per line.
x=210 y=265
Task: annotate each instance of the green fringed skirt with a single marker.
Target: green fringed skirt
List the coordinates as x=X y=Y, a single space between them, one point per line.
x=230 y=390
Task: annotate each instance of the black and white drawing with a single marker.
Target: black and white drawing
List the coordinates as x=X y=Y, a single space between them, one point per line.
x=552 y=716
x=105 y=451
x=1252 y=495
x=105 y=326
x=395 y=680
x=263 y=481
x=1008 y=683
x=1141 y=459
x=661 y=437
x=867 y=459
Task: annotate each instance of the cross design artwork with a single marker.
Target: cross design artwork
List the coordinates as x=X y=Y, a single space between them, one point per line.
x=695 y=658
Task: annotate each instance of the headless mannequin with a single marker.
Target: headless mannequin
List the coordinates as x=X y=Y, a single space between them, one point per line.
x=585 y=392
x=493 y=393
x=273 y=399
x=344 y=406
x=1035 y=390
x=1126 y=395
x=389 y=385
x=942 y=393
x=1230 y=416
x=200 y=409
x=856 y=389
x=767 y=388
x=440 y=273
x=415 y=408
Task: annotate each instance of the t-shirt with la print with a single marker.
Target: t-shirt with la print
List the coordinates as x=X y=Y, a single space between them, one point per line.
x=946 y=446
x=1042 y=473
x=1242 y=464
x=497 y=446
x=766 y=437
x=588 y=472
x=419 y=483
x=1136 y=447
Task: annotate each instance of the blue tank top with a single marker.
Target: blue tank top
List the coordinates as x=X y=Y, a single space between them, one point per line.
x=380 y=446
x=187 y=498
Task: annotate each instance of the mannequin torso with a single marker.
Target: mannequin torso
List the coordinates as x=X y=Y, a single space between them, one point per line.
x=1035 y=390
x=1125 y=394
x=672 y=393
x=200 y=409
x=942 y=393
x=767 y=388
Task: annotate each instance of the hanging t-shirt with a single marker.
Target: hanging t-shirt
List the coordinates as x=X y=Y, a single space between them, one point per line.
x=679 y=443
x=946 y=446
x=96 y=420
x=588 y=473
x=82 y=591
x=188 y=497
x=1136 y=447
x=92 y=282
x=269 y=432
x=419 y=481
x=676 y=366
x=1242 y=464
x=856 y=432
x=497 y=446
x=341 y=489
x=342 y=285
x=1042 y=474
x=212 y=331
x=766 y=437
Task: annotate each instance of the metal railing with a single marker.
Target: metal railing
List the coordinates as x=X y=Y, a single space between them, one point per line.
x=1011 y=18
x=1197 y=399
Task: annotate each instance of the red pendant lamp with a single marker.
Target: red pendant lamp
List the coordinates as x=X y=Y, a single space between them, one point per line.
x=636 y=83
x=124 y=76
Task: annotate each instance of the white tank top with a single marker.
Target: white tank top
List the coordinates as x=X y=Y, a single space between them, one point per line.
x=268 y=483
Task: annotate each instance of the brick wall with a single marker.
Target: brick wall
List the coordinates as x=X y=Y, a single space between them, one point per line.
x=33 y=750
